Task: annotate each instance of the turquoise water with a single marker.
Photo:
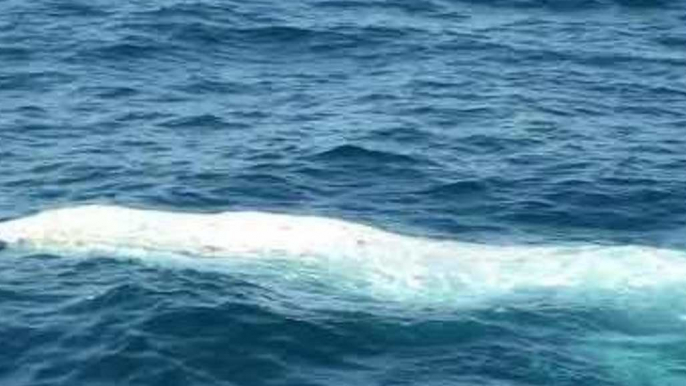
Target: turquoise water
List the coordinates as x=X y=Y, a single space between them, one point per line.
x=449 y=192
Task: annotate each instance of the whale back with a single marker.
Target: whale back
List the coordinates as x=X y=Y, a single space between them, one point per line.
x=405 y=264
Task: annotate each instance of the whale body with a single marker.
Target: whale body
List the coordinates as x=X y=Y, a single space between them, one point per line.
x=95 y=227
x=380 y=256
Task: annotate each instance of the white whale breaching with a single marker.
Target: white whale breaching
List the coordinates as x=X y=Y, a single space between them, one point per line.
x=383 y=258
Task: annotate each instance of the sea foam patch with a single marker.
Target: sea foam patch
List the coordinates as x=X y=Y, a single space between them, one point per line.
x=386 y=262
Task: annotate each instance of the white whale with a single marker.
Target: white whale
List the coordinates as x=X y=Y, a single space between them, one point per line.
x=96 y=227
x=384 y=258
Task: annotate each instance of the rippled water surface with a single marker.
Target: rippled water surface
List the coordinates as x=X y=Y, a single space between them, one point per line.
x=496 y=192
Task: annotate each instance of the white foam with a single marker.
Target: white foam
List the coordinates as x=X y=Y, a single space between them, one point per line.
x=388 y=262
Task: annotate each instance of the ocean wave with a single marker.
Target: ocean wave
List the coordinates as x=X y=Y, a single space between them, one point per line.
x=358 y=154
x=571 y=5
x=458 y=189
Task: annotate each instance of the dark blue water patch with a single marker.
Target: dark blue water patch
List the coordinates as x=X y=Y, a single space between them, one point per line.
x=110 y=93
x=11 y=53
x=74 y=9
x=425 y=8
x=127 y=49
x=199 y=122
x=677 y=42
x=217 y=86
x=123 y=322
x=358 y=155
x=240 y=41
x=37 y=81
x=574 y=6
x=457 y=190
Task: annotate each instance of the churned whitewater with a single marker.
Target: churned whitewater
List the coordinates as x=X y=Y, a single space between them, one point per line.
x=327 y=192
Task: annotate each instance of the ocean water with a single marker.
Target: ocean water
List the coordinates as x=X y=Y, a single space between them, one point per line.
x=343 y=192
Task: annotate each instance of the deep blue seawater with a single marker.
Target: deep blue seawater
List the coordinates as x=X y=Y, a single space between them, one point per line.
x=497 y=122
